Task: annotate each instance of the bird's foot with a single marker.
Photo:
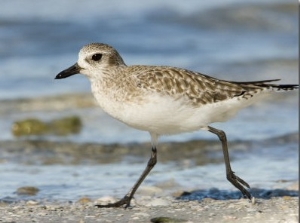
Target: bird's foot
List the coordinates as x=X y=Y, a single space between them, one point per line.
x=239 y=184
x=124 y=202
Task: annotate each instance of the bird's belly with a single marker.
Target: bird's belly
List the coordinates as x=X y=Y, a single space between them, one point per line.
x=164 y=115
x=161 y=121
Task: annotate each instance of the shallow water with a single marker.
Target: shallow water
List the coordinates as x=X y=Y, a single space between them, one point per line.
x=229 y=39
x=264 y=168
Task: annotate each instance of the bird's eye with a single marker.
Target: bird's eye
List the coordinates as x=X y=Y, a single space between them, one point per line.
x=97 y=57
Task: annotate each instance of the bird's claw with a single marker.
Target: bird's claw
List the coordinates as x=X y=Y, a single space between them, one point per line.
x=124 y=202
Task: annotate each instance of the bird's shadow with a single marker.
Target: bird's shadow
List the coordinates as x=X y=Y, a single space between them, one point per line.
x=217 y=194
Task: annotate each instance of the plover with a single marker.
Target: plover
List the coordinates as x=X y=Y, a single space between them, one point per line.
x=165 y=100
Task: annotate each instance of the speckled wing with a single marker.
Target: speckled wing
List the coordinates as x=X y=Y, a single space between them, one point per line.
x=199 y=88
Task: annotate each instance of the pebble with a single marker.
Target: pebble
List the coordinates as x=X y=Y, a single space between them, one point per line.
x=168 y=220
x=30 y=202
x=105 y=200
x=253 y=200
x=84 y=200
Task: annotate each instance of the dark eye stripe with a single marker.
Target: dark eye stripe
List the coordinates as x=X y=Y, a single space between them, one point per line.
x=97 y=57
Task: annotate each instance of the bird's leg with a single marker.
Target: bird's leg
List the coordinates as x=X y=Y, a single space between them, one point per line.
x=125 y=201
x=231 y=177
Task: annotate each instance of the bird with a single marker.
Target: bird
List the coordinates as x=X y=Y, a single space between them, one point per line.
x=165 y=100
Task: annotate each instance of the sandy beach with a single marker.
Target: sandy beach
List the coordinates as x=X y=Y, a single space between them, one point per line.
x=158 y=210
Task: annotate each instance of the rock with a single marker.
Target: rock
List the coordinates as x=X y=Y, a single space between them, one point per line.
x=27 y=190
x=60 y=127
x=66 y=126
x=29 y=126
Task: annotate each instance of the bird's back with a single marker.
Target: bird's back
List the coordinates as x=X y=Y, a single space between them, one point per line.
x=200 y=89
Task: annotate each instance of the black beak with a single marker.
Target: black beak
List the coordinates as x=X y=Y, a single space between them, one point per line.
x=75 y=69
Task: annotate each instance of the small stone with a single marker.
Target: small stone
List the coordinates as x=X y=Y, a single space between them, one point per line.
x=211 y=214
x=84 y=200
x=167 y=220
x=30 y=202
x=230 y=217
x=251 y=210
x=105 y=200
x=53 y=207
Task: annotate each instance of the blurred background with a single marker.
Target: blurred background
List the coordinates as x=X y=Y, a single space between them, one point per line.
x=229 y=39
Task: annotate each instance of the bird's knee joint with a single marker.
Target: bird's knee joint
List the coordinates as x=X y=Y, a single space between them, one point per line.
x=152 y=162
x=222 y=135
x=230 y=176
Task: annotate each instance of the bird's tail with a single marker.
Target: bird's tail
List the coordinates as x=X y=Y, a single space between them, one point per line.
x=265 y=85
